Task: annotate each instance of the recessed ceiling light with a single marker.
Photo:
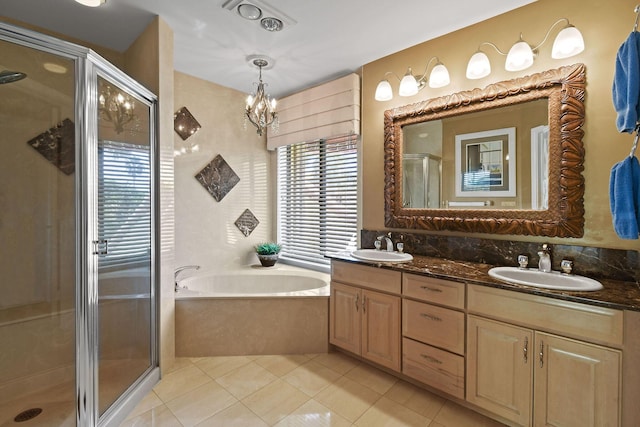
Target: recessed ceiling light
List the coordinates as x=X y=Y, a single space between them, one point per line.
x=55 y=68
x=249 y=11
x=91 y=3
x=271 y=24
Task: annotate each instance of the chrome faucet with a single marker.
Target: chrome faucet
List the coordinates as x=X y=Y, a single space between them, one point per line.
x=179 y=270
x=544 y=264
x=388 y=240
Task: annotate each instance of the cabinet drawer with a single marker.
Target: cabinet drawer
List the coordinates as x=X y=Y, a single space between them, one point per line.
x=434 y=290
x=434 y=367
x=567 y=318
x=369 y=277
x=433 y=325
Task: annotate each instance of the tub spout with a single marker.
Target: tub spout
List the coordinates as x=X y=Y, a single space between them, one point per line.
x=179 y=270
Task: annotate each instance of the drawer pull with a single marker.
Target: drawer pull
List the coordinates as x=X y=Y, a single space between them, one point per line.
x=431 y=359
x=427 y=288
x=431 y=317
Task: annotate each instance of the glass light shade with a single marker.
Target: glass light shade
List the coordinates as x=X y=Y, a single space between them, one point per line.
x=408 y=85
x=478 y=66
x=520 y=57
x=384 y=91
x=91 y=3
x=249 y=11
x=568 y=42
x=439 y=76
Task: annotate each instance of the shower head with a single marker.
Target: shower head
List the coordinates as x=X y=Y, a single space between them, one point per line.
x=7 y=76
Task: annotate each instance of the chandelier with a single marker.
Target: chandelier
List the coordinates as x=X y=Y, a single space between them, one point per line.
x=261 y=108
x=116 y=108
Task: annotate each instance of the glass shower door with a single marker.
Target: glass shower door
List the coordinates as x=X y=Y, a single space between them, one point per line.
x=125 y=312
x=37 y=239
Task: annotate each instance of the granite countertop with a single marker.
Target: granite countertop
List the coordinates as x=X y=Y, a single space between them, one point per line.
x=615 y=294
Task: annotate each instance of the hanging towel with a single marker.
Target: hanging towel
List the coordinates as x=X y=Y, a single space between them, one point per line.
x=624 y=197
x=626 y=83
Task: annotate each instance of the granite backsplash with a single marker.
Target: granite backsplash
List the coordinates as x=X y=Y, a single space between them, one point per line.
x=615 y=264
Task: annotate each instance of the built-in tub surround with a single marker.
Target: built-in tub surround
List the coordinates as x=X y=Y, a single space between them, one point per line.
x=253 y=310
x=601 y=263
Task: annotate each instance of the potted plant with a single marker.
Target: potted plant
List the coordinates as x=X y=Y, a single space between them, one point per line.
x=268 y=253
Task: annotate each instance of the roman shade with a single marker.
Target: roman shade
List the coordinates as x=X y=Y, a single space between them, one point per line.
x=322 y=112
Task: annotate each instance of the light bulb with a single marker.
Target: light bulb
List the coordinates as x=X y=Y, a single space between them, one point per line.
x=568 y=42
x=478 y=66
x=408 y=85
x=520 y=57
x=384 y=91
x=439 y=76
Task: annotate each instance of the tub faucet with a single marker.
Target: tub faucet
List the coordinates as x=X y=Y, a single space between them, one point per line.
x=179 y=270
x=544 y=264
x=387 y=238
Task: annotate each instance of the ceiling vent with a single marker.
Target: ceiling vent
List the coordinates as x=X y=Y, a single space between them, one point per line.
x=270 y=18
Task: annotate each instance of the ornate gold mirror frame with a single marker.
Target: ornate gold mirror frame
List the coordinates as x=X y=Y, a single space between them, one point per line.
x=565 y=90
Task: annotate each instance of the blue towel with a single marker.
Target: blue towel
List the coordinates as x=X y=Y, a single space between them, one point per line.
x=626 y=84
x=624 y=197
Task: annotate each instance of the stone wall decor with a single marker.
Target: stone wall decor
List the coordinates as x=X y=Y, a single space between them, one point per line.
x=58 y=145
x=218 y=178
x=247 y=222
x=184 y=123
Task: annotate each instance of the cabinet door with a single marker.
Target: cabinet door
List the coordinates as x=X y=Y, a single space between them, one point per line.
x=381 y=329
x=345 y=318
x=576 y=384
x=499 y=368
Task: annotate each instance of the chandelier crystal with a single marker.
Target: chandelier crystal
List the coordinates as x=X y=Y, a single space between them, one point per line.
x=260 y=109
x=116 y=108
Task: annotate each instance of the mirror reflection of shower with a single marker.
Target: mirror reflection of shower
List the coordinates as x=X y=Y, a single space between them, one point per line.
x=7 y=76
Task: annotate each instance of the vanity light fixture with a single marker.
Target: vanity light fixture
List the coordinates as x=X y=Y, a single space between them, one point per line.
x=92 y=3
x=410 y=84
x=260 y=108
x=568 y=42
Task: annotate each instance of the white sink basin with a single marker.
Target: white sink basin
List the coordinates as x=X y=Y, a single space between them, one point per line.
x=381 y=256
x=538 y=279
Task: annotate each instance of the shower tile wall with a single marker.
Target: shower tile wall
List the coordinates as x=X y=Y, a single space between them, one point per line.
x=206 y=233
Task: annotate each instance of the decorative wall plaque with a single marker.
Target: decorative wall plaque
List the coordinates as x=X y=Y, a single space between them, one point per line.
x=247 y=222
x=218 y=178
x=58 y=145
x=184 y=123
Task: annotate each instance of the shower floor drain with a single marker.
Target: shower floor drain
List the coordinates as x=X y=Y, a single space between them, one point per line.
x=27 y=415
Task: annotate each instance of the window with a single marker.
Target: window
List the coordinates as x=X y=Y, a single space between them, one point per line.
x=317 y=200
x=124 y=203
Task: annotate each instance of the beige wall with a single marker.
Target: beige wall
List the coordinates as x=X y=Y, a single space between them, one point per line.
x=604 y=25
x=150 y=61
x=205 y=231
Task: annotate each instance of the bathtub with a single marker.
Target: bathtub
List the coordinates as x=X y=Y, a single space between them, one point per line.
x=251 y=311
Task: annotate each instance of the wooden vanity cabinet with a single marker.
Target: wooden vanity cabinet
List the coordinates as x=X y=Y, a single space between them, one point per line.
x=433 y=330
x=364 y=313
x=529 y=376
x=530 y=360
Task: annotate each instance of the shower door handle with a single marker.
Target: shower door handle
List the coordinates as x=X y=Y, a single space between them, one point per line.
x=101 y=247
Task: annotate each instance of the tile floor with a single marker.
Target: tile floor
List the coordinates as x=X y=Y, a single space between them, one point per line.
x=297 y=390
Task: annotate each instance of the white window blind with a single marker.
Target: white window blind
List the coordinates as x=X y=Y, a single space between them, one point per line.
x=317 y=200
x=124 y=202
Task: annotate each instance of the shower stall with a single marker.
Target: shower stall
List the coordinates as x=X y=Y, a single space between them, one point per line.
x=78 y=173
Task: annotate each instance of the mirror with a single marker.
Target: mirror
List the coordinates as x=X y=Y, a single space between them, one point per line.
x=506 y=159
